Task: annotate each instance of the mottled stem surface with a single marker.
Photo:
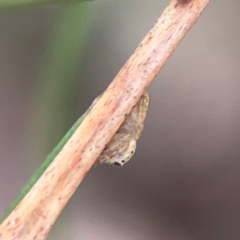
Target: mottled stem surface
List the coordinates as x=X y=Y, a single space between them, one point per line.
x=36 y=213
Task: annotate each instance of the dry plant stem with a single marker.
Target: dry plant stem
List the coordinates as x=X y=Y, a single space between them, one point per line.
x=34 y=216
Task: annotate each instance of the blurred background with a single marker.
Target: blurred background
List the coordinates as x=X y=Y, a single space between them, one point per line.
x=184 y=180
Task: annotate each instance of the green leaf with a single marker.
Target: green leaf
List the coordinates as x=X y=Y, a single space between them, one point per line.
x=57 y=81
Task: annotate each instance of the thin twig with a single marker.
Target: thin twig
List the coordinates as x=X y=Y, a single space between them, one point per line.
x=36 y=213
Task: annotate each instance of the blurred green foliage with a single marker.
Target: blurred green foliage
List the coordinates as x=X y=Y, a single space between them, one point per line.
x=57 y=85
x=25 y=3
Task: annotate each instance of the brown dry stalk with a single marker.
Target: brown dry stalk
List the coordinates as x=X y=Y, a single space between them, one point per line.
x=37 y=212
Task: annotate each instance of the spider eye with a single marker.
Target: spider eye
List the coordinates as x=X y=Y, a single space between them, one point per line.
x=117 y=164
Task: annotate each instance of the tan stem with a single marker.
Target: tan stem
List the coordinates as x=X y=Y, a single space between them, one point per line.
x=37 y=212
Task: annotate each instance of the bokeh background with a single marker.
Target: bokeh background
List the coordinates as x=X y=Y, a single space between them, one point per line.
x=184 y=180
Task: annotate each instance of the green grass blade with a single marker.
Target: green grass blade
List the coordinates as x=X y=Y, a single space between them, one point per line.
x=62 y=60
x=6 y=4
x=42 y=168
